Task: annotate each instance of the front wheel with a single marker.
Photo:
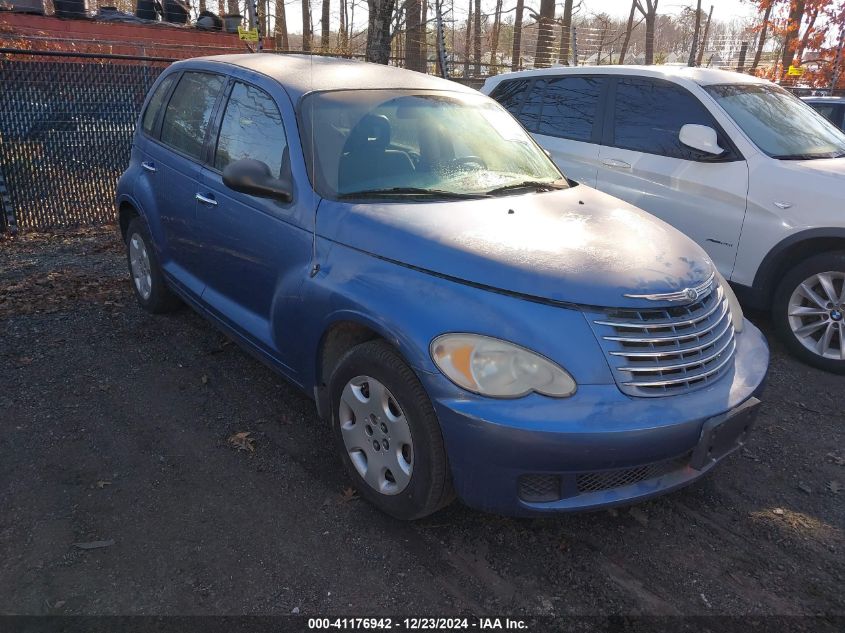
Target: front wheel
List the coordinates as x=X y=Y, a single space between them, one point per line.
x=809 y=311
x=388 y=434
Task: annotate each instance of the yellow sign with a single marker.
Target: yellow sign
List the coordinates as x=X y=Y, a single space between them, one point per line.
x=248 y=35
x=795 y=71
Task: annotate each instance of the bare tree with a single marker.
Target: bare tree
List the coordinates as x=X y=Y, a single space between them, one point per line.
x=545 y=34
x=467 y=40
x=379 y=30
x=516 y=55
x=629 y=29
x=649 y=12
x=693 y=49
x=232 y=7
x=494 y=36
x=476 y=40
x=424 y=38
x=280 y=28
x=324 y=26
x=761 y=38
x=566 y=34
x=703 y=43
x=306 y=25
x=412 y=34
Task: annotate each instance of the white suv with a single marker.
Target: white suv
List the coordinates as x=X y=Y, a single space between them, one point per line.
x=749 y=171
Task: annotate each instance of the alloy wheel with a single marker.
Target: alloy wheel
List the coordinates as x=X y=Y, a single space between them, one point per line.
x=139 y=262
x=816 y=313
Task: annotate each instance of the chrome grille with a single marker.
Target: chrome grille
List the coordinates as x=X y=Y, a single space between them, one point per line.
x=668 y=350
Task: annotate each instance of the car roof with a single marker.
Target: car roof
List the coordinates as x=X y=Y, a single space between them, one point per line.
x=701 y=76
x=301 y=74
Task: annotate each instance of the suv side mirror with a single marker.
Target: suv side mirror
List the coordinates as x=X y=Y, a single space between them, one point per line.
x=701 y=137
x=253 y=177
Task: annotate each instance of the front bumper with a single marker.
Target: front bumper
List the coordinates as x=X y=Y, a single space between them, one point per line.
x=599 y=448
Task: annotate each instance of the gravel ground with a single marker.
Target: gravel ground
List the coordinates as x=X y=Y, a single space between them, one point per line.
x=115 y=436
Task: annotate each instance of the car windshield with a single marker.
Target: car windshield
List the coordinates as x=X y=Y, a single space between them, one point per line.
x=779 y=123
x=403 y=143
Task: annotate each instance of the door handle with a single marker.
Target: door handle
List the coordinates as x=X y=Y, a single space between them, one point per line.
x=150 y=167
x=616 y=164
x=206 y=200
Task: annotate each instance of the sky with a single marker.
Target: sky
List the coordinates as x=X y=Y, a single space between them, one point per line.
x=724 y=10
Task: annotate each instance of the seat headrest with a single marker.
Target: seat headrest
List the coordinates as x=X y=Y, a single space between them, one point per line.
x=372 y=132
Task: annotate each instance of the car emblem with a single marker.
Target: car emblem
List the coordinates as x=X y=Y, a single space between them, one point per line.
x=691 y=293
x=687 y=295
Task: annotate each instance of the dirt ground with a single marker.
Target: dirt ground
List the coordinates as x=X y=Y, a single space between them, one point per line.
x=120 y=492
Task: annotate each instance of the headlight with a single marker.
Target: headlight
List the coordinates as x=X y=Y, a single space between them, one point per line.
x=491 y=367
x=737 y=316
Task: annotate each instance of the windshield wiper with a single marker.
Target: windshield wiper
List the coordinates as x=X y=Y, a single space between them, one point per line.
x=410 y=191
x=809 y=156
x=539 y=185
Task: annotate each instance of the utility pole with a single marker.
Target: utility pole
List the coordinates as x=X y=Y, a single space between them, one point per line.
x=704 y=39
x=252 y=12
x=574 y=46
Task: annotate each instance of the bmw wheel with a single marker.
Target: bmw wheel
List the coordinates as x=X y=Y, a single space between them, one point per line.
x=387 y=433
x=809 y=311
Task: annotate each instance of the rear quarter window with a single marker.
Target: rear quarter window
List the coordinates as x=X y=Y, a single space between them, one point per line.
x=156 y=101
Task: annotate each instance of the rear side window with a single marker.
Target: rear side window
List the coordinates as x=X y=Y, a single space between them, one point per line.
x=569 y=107
x=156 y=101
x=511 y=94
x=532 y=109
x=251 y=128
x=188 y=114
x=649 y=116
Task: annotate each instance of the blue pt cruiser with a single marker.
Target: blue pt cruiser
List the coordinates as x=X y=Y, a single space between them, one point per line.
x=469 y=322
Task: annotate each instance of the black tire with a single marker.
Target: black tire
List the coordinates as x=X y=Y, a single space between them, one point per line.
x=160 y=299
x=833 y=261
x=430 y=487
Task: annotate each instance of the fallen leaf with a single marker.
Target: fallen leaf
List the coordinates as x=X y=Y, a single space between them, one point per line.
x=836 y=459
x=834 y=486
x=348 y=494
x=242 y=441
x=103 y=483
x=204 y=379
x=24 y=360
x=94 y=544
x=59 y=604
x=804 y=488
x=778 y=511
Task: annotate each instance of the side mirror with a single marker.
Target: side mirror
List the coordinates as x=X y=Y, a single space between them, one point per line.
x=701 y=137
x=253 y=177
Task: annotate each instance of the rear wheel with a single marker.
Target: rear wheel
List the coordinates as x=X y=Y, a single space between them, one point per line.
x=809 y=311
x=147 y=278
x=387 y=433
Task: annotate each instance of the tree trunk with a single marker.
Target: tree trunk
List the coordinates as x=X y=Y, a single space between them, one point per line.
x=761 y=41
x=629 y=29
x=306 y=25
x=693 y=49
x=703 y=44
x=565 y=53
x=221 y=7
x=424 y=38
x=796 y=16
x=378 y=30
x=467 y=40
x=494 y=37
x=324 y=26
x=649 y=12
x=811 y=25
x=516 y=55
x=545 y=34
x=412 y=35
x=233 y=8
x=280 y=29
x=476 y=39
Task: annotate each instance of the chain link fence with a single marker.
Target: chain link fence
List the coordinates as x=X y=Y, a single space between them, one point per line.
x=66 y=124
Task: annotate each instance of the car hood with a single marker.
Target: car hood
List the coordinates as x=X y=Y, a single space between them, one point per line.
x=575 y=245
x=834 y=167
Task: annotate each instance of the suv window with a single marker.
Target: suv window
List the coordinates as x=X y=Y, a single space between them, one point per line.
x=189 y=112
x=649 y=115
x=156 y=101
x=252 y=128
x=532 y=109
x=569 y=107
x=511 y=94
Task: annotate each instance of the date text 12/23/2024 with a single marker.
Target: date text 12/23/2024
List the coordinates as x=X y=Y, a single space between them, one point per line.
x=417 y=624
